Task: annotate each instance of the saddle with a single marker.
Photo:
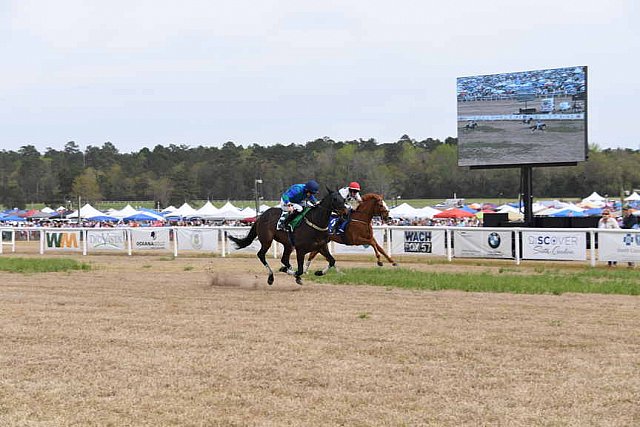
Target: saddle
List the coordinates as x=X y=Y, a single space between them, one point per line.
x=297 y=219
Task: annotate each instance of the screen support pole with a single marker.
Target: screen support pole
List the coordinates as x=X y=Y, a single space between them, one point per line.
x=526 y=177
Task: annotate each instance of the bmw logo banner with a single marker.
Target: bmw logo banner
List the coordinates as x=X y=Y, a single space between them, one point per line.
x=479 y=243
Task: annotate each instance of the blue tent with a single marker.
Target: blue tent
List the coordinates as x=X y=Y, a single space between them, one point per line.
x=141 y=216
x=593 y=212
x=12 y=218
x=104 y=218
x=468 y=209
x=568 y=212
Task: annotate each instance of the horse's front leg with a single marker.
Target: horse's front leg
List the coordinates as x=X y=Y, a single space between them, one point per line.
x=380 y=250
x=324 y=251
x=300 y=256
x=377 y=252
x=286 y=264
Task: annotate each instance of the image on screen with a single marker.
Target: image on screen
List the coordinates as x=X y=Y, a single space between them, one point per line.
x=523 y=118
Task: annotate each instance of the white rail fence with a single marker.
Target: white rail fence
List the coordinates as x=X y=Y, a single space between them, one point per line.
x=551 y=244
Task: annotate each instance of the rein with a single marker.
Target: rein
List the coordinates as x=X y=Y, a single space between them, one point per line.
x=315 y=227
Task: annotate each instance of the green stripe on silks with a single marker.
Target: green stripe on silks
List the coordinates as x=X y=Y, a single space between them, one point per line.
x=295 y=222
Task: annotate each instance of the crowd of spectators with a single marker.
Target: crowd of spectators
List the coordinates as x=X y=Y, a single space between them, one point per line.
x=560 y=81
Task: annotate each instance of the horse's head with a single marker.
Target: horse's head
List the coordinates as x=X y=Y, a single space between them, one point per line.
x=334 y=202
x=376 y=204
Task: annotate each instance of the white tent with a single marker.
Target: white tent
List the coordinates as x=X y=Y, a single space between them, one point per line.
x=206 y=211
x=87 y=211
x=47 y=209
x=594 y=197
x=405 y=210
x=168 y=209
x=633 y=198
x=182 y=212
x=229 y=211
x=124 y=212
x=427 y=212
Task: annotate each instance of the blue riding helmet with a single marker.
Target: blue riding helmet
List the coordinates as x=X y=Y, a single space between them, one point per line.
x=312 y=186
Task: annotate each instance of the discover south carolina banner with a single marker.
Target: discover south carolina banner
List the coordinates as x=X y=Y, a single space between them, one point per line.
x=480 y=243
x=106 y=240
x=554 y=245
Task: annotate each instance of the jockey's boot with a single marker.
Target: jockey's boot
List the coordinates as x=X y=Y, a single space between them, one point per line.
x=287 y=221
x=281 y=220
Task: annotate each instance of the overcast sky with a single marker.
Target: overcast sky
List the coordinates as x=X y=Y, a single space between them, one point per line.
x=139 y=73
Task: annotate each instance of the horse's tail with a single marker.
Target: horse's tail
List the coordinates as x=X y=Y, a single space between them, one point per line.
x=245 y=241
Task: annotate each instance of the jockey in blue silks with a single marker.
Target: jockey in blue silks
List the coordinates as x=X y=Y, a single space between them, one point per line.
x=294 y=198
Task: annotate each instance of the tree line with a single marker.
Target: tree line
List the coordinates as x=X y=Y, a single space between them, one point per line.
x=174 y=174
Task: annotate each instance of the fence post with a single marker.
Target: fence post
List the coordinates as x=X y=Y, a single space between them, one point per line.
x=517 y=241
x=592 y=247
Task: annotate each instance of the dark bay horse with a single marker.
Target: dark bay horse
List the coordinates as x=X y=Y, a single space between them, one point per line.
x=360 y=231
x=311 y=235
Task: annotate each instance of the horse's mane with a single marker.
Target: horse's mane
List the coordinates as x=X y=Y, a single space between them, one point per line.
x=370 y=196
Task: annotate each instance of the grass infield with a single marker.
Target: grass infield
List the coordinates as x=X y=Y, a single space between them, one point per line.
x=40 y=265
x=553 y=281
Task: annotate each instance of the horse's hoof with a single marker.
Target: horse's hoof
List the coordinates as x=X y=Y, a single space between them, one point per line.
x=299 y=280
x=379 y=263
x=283 y=269
x=319 y=273
x=270 y=280
x=395 y=264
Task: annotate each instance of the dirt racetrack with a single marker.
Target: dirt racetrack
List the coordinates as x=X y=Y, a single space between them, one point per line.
x=152 y=340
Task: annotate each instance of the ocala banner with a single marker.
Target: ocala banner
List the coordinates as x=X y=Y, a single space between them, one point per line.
x=190 y=239
x=619 y=246
x=554 y=245
x=479 y=243
x=418 y=242
x=150 y=239
x=106 y=239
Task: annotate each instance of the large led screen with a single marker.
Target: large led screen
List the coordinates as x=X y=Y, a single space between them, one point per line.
x=523 y=118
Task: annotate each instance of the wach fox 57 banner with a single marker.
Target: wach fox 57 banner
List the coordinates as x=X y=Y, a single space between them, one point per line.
x=616 y=246
x=418 y=242
x=63 y=240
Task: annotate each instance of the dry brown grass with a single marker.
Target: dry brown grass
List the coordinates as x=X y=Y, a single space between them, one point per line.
x=141 y=341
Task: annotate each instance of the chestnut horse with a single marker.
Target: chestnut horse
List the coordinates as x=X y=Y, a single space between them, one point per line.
x=359 y=230
x=311 y=235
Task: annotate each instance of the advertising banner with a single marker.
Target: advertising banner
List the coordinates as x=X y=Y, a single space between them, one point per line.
x=241 y=232
x=359 y=249
x=66 y=240
x=104 y=239
x=150 y=239
x=418 y=242
x=554 y=245
x=479 y=243
x=619 y=246
x=198 y=239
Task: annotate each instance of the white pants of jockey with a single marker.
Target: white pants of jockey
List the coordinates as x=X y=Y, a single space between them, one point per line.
x=287 y=209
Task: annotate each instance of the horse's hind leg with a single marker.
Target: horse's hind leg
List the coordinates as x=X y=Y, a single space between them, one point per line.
x=312 y=255
x=263 y=259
